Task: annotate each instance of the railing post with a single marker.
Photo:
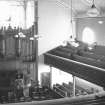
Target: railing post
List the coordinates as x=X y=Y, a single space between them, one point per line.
x=74 y=86
x=66 y=94
x=51 y=85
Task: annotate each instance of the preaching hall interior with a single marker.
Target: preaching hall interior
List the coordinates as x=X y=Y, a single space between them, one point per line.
x=52 y=52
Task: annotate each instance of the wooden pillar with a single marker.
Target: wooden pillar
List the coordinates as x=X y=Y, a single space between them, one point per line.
x=74 y=86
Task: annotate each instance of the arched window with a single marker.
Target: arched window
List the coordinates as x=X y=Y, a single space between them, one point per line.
x=88 y=35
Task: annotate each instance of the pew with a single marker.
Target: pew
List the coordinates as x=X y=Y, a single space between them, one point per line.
x=92 y=55
x=80 y=69
x=93 y=99
x=99 y=50
x=89 y=61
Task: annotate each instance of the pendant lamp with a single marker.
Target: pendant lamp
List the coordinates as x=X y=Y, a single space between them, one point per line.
x=93 y=11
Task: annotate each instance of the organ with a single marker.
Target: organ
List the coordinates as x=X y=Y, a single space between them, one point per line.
x=15 y=42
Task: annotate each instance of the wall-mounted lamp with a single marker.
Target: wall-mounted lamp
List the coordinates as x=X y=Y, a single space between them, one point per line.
x=35 y=37
x=31 y=38
x=100 y=22
x=20 y=35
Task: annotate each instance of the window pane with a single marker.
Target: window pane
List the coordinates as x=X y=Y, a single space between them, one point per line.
x=88 y=35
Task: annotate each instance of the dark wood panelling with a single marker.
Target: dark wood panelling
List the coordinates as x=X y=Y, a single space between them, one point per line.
x=87 y=72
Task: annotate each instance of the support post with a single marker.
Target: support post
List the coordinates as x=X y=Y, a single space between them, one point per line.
x=25 y=13
x=74 y=86
x=51 y=77
x=36 y=40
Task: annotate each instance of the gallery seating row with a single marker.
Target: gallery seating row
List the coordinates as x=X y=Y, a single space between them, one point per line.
x=80 y=55
x=67 y=89
x=97 y=53
x=99 y=50
x=89 y=61
x=79 y=90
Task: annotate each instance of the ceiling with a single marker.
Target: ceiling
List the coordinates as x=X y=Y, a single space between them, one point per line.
x=79 y=7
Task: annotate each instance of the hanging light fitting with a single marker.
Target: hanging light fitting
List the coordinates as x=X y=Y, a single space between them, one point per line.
x=93 y=11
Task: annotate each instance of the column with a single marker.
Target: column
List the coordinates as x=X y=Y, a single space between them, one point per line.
x=36 y=40
x=74 y=86
x=51 y=85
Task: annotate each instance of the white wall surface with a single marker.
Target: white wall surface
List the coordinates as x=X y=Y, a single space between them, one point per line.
x=60 y=77
x=54 y=28
x=54 y=25
x=57 y=76
x=95 y=26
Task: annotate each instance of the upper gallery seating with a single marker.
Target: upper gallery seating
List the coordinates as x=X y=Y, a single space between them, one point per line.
x=95 y=56
x=81 y=61
x=99 y=50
